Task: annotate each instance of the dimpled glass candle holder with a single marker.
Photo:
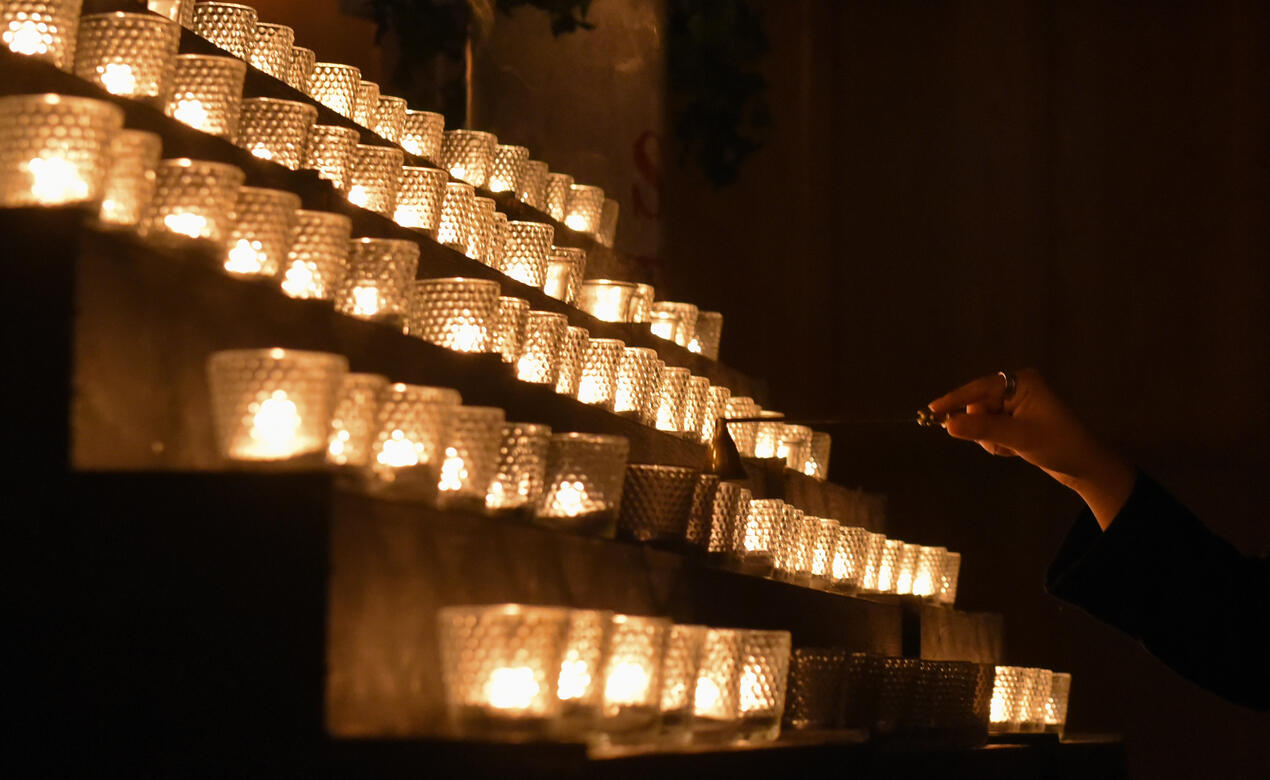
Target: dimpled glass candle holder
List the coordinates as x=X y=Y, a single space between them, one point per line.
x=708 y=332
x=261 y=235
x=330 y=153
x=565 y=267
x=410 y=428
x=788 y=547
x=581 y=684
x=504 y=171
x=636 y=381
x=375 y=178
x=377 y=285
x=670 y=398
x=716 y=693
x=271 y=49
x=367 y=102
x=390 y=118
x=353 y=428
x=846 y=567
x=875 y=545
x=531 y=186
x=454 y=312
x=823 y=549
x=928 y=573
x=716 y=405
x=194 y=199
x=584 y=479
x=129 y=55
x=421 y=134
x=696 y=397
x=656 y=503
x=318 y=259
x=761 y=687
x=556 y=195
x=583 y=208
x=334 y=85
x=1006 y=686
x=179 y=11
x=43 y=29
x=1056 y=704
x=419 y=200
x=129 y=182
x=525 y=251
x=276 y=130
x=630 y=708
x=470 y=458
x=888 y=566
x=207 y=93
x=500 y=665
x=1033 y=698
x=53 y=149
x=906 y=567
x=597 y=384
x=507 y=333
x=542 y=349
x=571 y=351
x=228 y=25
x=760 y=533
x=950 y=571
x=458 y=216
x=606 y=299
x=817 y=464
x=728 y=509
x=273 y=404
x=300 y=68
x=479 y=240
x=606 y=235
x=680 y=668
x=468 y=155
x=743 y=434
x=522 y=465
x=496 y=240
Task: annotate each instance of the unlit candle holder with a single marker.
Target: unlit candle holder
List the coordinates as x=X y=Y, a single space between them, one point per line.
x=261 y=235
x=480 y=239
x=707 y=334
x=130 y=55
x=276 y=130
x=271 y=49
x=454 y=312
x=330 y=153
x=696 y=399
x=584 y=480
x=656 y=503
x=606 y=234
x=367 y=102
x=377 y=286
x=817 y=465
x=207 y=93
x=317 y=262
x=230 y=26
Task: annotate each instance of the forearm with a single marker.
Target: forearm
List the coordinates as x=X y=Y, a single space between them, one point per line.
x=1104 y=487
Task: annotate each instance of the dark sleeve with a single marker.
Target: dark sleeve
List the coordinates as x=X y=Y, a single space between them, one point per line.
x=1191 y=598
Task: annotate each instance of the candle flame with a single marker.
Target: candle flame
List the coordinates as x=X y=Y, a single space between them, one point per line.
x=707 y=699
x=117 y=78
x=466 y=337
x=192 y=113
x=262 y=151
x=25 y=37
x=694 y=345
x=753 y=697
x=300 y=281
x=365 y=301
x=511 y=688
x=245 y=257
x=577 y=222
x=398 y=451
x=627 y=684
x=412 y=145
x=187 y=224
x=358 y=196
x=575 y=677
x=274 y=425
x=453 y=471
x=570 y=499
x=55 y=180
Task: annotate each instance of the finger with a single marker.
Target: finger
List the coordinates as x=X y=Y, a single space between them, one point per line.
x=999 y=430
x=986 y=389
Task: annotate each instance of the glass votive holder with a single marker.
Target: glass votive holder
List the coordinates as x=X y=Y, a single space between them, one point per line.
x=318 y=259
x=330 y=153
x=788 y=548
x=207 y=93
x=377 y=285
x=875 y=546
x=504 y=171
x=817 y=464
x=696 y=397
x=761 y=687
x=670 y=398
x=581 y=685
x=680 y=668
x=606 y=299
x=496 y=240
x=888 y=566
x=758 y=535
x=815 y=689
x=228 y=25
x=419 y=200
x=642 y=303
x=276 y=130
x=131 y=55
x=950 y=571
x=421 y=133
x=743 y=434
x=847 y=564
x=565 y=267
x=543 y=348
x=507 y=333
x=271 y=49
x=728 y=510
x=194 y=199
x=352 y=430
x=637 y=377
x=716 y=693
x=583 y=485
x=129 y=182
x=572 y=348
x=375 y=178
x=470 y=457
x=556 y=195
x=1056 y=704
x=1033 y=697
x=525 y=251
x=334 y=85
x=824 y=547
x=260 y=236
x=709 y=330
x=300 y=68
x=53 y=149
x=906 y=568
x=928 y=572
x=458 y=216
x=630 y=709
x=273 y=404
x=673 y=321
x=606 y=235
x=454 y=312
x=522 y=466
x=390 y=118
x=716 y=405
x=479 y=240
x=597 y=384
x=179 y=11
x=656 y=502
x=500 y=666
x=367 y=102
x=1007 y=683
x=43 y=29
x=468 y=155
x=583 y=208
x=531 y=186
x=411 y=422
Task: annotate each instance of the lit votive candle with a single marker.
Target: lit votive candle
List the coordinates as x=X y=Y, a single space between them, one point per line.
x=822 y=551
x=43 y=29
x=505 y=169
x=572 y=349
x=179 y=11
x=606 y=235
x=709 y=330
x=273 y=404
x=300 y=68
x=607 y=299
x=743 y=434
x=637 y=377
x=410 y=429
x=696 y=397
x=542 y=350
x=468 y=155
x=767 y=435
x=495 y=240
x=927 y=573
x=230 y=26
x=367 y=102
x=53 y=149
x=598 y=382
x=670 y=398
x=888 y=566
x=673 y=321
x=759 y=534
x=817 y=465
x=318 y=259
x=129 y=55
x=715 y=695
x=454 y=312
x=522 y=465
x=584 y=480
x=583 y=209
x=680 y=669
x=507 y=332
x=276 y=130
x=846 y=568
x=458 y=216
x=194 y=199
x=421 y=134
x=375 y=178
x=380 y=272
x=1056 y=705
x=788 y=547
x=531 y=187
x=129 y=182
x=525 y=251
x=479 y=240
x=875 y=546
x=390 y=118
x=716 y=404
x=631 y=699
x=334 y=85
x=556 y=195
x=581 y=685
x=330 y=153
x=207 y=93
x=271 y=49
x=419 y=200
x=470 y=458
x=761 y=687
x=261 y=235
x=642 y=303
x=1007 y=685
x=565 y=267
x=794 y=446
x=353 y=429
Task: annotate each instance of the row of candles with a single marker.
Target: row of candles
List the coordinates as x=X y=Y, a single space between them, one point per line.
x=1028 y=700
x=512 y=669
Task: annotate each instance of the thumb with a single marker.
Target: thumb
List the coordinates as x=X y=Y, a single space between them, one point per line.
x=1001 y=430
